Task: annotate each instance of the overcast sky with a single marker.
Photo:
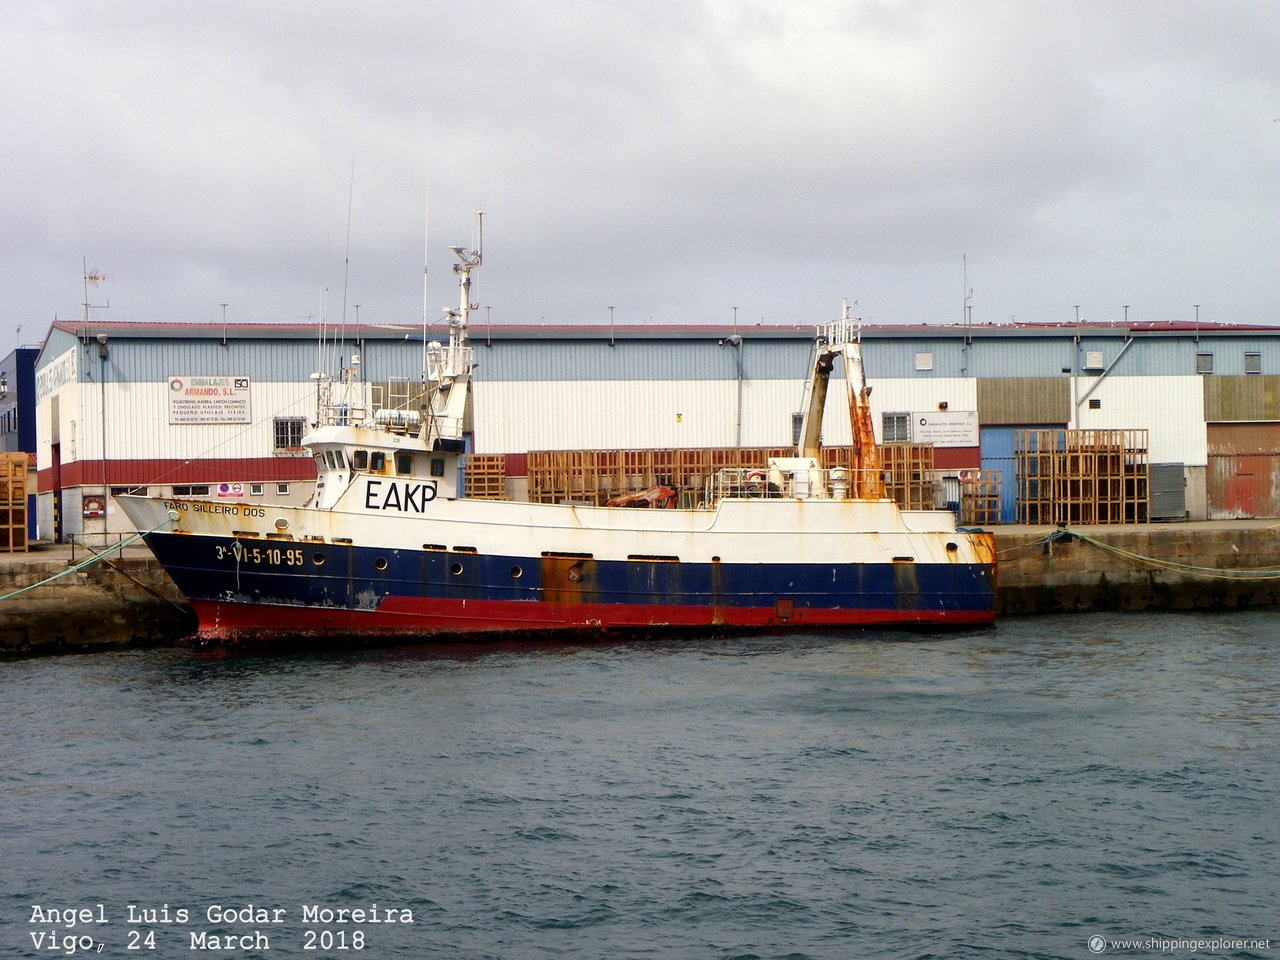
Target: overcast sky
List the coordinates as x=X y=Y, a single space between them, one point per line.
x=670 y=158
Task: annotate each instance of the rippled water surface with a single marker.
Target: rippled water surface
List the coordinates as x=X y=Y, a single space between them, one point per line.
x=1007 y=793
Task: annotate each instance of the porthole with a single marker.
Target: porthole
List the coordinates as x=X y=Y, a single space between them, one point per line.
x=952 y=547
x=516 y=573
x=380 y=563
x=318 y=559
x=456 y=569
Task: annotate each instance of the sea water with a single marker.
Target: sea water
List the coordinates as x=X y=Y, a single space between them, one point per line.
x=1054 y=787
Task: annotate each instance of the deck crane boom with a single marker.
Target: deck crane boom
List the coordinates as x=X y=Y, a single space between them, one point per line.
x=843 y=339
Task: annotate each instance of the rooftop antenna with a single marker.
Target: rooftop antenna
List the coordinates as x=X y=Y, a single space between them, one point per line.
x=92 y=278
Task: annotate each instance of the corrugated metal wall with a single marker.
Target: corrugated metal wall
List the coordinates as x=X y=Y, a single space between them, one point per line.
x=1244 y=470
x=643 y=360
x=899 y=395
x=138 y=423
x=558 y=390
x=998 y=455
x=1024 y=400
x=1169 y=408
x=1239 y=398
x=615 y=414
x=138 y=428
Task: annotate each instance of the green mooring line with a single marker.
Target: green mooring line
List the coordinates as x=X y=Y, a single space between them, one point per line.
x=76 y=568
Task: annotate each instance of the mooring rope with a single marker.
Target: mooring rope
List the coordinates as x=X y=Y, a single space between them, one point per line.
x=76 y=568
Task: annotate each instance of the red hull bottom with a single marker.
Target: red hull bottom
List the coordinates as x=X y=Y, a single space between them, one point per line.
x=248 y=627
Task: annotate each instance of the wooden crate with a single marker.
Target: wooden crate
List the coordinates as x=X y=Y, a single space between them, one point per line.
x=595 y=476
x=13 y=502
x=485 y=476
x=1082 y=476
x=980 y=492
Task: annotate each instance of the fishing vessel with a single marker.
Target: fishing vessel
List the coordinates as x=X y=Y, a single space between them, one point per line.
x=388 y=549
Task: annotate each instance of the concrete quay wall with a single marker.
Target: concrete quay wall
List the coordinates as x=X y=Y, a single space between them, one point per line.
x=1044 y=570
x=126 y=602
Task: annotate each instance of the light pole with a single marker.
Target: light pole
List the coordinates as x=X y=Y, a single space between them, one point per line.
x=102 y=402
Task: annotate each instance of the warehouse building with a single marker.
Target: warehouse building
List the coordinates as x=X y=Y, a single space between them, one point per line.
x=1183 y=417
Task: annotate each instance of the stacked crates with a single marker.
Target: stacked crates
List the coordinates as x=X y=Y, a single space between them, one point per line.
x=1082 y=476
x=980 y=496
x=596 y=476
x=13 y=503
x=485 y=476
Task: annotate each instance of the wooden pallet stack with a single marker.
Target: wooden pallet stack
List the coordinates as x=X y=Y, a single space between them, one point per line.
x=13 y=503
x=1082 y=476
x=908 y=474
x=485 y=476
x=980 y=493
x=596 y=476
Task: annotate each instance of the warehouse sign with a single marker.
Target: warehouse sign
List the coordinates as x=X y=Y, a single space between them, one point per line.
x=56 y=375
x=209 y=400
x=946 y=428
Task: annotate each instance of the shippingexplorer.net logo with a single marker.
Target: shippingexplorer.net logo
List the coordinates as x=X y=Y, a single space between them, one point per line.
x=1180 y=945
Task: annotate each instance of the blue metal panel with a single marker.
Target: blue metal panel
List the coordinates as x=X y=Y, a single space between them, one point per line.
x=996 y=451
x=540 y=356
x=895 y=358
x=1228 y=354
x=1020 y=356
x=642 y=360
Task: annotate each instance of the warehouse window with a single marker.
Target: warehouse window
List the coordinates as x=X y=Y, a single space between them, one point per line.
x=1204 y=363
x=1253 y=363
x=255 y=489
x=924 y=361
x=895 y=428
x=196 y=490
x=282 y=489
x=288 y=433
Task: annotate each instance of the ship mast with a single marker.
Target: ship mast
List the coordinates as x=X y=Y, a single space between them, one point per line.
x=449 y=368
x=468 y=260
